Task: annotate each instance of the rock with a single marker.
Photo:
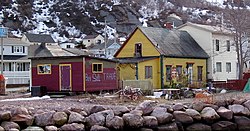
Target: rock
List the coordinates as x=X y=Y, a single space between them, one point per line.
x=168 y=107
x=33 y=128
x=150 y=121
x=98 y=128
x=73 y=127
x=146 y=129
x=182 y=117
x=20 y=110
x=242 y=122
x=178 y=107
x=209 y=114
x=132 y=120
x=96 y=108
x=224 y=126
x=198 y=127
x=162 y=115
x=13 y=129
x=168 y=127
x=146 y=107
x=247 y=104
x=115 y=122
x=44 y=119
x=51 y=128
x=77 y=110
x=60 y=118
x=95 y=119
x=220 y=103
x=120 y=110
x=238 y=101
x=1 y=128
x=22 y=119
x=194 y=114
x=5 y=116
x=198 y=106
x=84 y=113
x=136 y=112
x=75 y=117
x=8 y=125
x=215 y=107
x=225 y=113
x=239 y=109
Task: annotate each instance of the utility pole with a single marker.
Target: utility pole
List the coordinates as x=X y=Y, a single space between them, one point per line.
x=105 y=39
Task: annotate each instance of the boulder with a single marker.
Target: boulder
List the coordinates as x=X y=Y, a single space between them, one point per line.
x=146 y=107
x=215 y=107
x=84 y=113
x=225 y=113
x=20 y=110
x=224 y=126
x=194 y=114
x=120 y=110
x=75 y=117
x=24 y=120
x=132 y=120
x=146 y=129
x=168 y=107
x=60 y=118
x=73 y=127
x=168 y=127
x=198 y=106
x=96 y=108
x=242 y=122
x=178 y=107
x=9 y=125
x=209 y=114
x=1 y=128
x=114 y=122
x=136 y=112
x=33 y=128
x=247 y=104
x=95 y=119
x=98 y=128
x=150 y=121
x=162 y=115
x=5 y=116
x=44 y=119
x=198 y=127
x=183 y=117
x=51 y=128
x=239 y=101
x=239 y=109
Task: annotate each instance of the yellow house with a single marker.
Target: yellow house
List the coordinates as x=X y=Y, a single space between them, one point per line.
x=165 y=57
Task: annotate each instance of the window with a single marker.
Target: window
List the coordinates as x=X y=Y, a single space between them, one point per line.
x=44 y=69
x=168 y=73
x=199 y=73
x=67 y=46
x=18 y=49
x=228 y=45
x=179 y=70
x=88 y=40
x=217 y=45
x=97 y=68
x=138 y=50
x=148 y=72
x=228 y=67
x=218 y=67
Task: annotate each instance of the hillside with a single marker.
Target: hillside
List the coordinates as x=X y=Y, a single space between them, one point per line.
x=74 y=19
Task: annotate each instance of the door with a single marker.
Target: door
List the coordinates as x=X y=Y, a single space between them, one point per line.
x=65 y=77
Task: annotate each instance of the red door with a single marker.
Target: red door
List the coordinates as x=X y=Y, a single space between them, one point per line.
x=65 y=77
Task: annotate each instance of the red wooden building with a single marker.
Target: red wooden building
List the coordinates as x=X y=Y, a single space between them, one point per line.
x=74 y=73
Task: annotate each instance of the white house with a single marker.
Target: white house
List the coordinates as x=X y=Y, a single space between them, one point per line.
x=67 y=45
x=92 y=40
x=218 y=44
x=16 y=65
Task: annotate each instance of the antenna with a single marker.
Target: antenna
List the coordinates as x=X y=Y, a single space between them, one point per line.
x=105 y=39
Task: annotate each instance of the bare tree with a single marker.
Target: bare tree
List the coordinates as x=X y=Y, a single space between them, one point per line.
x=237 y=19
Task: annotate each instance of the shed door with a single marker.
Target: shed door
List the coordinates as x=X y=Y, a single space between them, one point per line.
x=65 y=77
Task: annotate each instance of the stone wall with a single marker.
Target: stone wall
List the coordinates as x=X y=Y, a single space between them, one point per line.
x=147 y=116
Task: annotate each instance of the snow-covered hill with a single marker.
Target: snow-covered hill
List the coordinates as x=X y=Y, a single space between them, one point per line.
x=74 y=19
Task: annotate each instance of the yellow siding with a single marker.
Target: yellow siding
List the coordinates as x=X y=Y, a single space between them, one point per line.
x=147 y=48
x=183 y=63
x=155 y=63
x=127 y=71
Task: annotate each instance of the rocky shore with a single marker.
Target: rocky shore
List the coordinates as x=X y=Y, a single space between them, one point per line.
x=147 y=116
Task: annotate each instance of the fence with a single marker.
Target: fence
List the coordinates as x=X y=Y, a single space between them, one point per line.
x=230 y=84
x=146 y=86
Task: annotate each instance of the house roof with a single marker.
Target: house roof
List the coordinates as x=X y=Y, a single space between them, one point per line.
x=210 y=28
x=78 y=51
x=40 y=38
x=90 y=36
x=134 y=60
x=14 y=41
x=172 y=43
x=102 y=45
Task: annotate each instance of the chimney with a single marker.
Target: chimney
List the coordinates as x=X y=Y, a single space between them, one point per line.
x=168 y=25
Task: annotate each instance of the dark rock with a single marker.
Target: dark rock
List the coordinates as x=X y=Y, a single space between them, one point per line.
x=242 y=122
x=114 y=122
x=225 y=113
x=198 y=127
x=136 y=112
x=239 y=110
x=247 y=104
x=73 y=127
x=209 y=114
x=194 y=114
x=178 y=107
x=96 y=108
x=215 y=107
x=198 y=106
x=162 y=115
x=44 y=119
x=238 y=101
x=75 y=117
x=182 y=117
x=168 y=127
x=5 y=116
x=146 y=107
x=33 y=128
x=150 y=121
x=24 y=120
x=60 y=118
x=120 y=110
x=98 y=128
x=51 y=128
x=9 y=125
x=132 y=120
x=95 y=119
x=224 y=126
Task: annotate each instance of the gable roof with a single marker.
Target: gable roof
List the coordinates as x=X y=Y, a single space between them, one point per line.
x=78 y=51
x=40 y=38
x=171 y=43
x=90 y=36
x=209 y=28
x=14 y=41
x=102 y=45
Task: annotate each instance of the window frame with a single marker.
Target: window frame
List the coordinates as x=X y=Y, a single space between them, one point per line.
x=18 y=49
x=168 y=74
x=138 y=49
x=68 y=46
x=228 y=45
x=199 y=73
x=45 y=73
x=217 y=69
x=148 y=72
x=97 y=71
x=217 y=45
x=228 y=63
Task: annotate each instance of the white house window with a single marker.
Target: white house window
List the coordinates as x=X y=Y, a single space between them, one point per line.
x=217 y=45
x=218 y=67
x=228 y=67
x=228 y=45
x=17 y=49
x=67 y=46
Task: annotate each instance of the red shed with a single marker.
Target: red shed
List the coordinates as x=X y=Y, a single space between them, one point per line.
x=74 y=73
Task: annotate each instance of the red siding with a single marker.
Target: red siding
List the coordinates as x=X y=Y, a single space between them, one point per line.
x=101 y=81
x=51 y=81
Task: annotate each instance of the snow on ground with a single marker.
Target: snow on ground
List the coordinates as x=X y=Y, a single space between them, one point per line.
x=27 y=99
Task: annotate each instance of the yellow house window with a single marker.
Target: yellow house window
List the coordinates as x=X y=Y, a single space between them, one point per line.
x=148 y=72
x=44 y=69
x=97 y=67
